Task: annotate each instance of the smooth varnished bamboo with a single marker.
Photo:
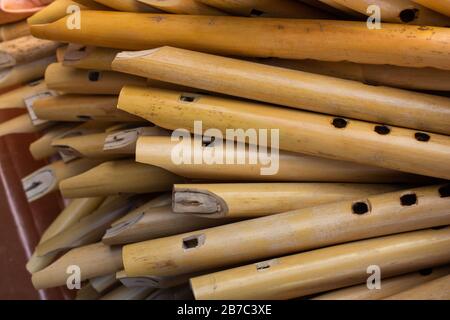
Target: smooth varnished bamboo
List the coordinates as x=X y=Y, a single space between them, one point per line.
x=77 y=81
x=14 y=31
x=399 y=11
x=75 y=210
x=290 y=232
x=81 y=108
x=263 y=199
x=378 y=75
x=46 y=179
x=296 y=89
x=438 y=289
x=24 y=50
x=193 y=7
x=42 y=147
x=115 y=177
x=442 y=6
x=152 y=223
x=88 y=229
x=93 y=58
x=325 y=269
x=127 y=5
x=389 y=286
x=295 y=167
x=124 y=293
x=267 y=8
x=20 y=124
x=94 y=260
x=24 y=73
x=299 y=131
x=394 y=44
x=16 y=98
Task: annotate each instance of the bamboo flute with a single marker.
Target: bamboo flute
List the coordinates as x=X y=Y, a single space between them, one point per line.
x=191 y=7
x=24 y=73
x=399 y=11
x=77 y=81
x=103 y=283
x=152 y=223
x=389 y=286
x=94 y=260
x=20 y=124
x=92 y=58
x=24 y=50
x=81 y=108
x=46 y=179
x=261 y=199
x=75 y=210
x=437 y=289
x=14 y=31
x=291 y=167
x=299 y=131
x=379 y=75
x=16 y=98
x=88 y=229
x=120 y=176
x=306 y=273
x=124 y=293
x=295 y=39
x=128 y=5
x=267 y=8
x=296 y=89
x=290 y=232
x=42 y=147
x=441 y=6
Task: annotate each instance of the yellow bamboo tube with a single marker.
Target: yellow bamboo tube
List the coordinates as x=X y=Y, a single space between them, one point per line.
x=437 y=289
x=267 y=8
x=42 y=147
x=77 y=81
x=184 y=7
x=441 y=6
x=380 y=75
x=304 y=132
x=14 y=31
x=46 y=179
x=93 y=58
x=24 y=73
x=20 y=124
x=399 y=11
x=87 y=292
x=326 y=40
x=115 y=177
x=103 y=283
x=128 y=5
x=262 y=199
x=75 y=210
x=290 y=232
x=81 y=108
x=16 y=98
x=94 y=260
x=389 y=286
x=152 y=223
x=88 y=229
x=158 y=151
x=124 y=293
x=24 y=50
x=59 y=8
x=325 y=269
x=296 y=89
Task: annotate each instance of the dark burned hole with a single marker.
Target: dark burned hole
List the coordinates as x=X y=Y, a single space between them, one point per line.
x=426 y=272
x=421 y=136
x=383 y=130
x=93 y=76
x=84 y=118
x=360 y=207
x=190 y=243
x=339 y=123
x=256 y=13
x=408 y=15
x=187 y=98
x=444 y=191
x=408 y=199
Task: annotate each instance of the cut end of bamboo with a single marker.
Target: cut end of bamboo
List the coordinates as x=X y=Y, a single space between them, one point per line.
x=125 y=55
x=110 y=237
x=198 y=202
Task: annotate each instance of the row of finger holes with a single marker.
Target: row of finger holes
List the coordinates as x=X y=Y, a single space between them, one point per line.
x=341 y=123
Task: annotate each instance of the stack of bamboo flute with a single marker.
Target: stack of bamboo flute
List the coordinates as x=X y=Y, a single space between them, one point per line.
x=359 y=122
